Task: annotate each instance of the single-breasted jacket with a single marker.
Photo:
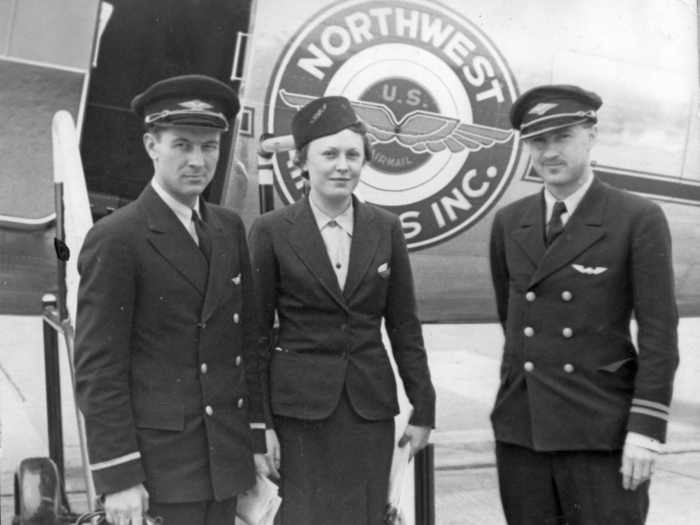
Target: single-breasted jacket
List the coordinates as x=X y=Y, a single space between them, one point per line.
x=330 y=338
x=165 y=356
x=571 y=377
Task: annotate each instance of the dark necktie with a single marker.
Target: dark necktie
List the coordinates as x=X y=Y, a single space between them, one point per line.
x=203 y=234
x=556 y=226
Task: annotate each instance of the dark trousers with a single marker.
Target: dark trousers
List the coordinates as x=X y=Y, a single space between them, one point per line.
x=196 y=513
x=567 y=488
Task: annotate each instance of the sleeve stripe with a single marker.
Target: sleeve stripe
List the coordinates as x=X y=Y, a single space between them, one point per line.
x=116 y=461
x=651 y=404
x=648 y=412
x=258 y=426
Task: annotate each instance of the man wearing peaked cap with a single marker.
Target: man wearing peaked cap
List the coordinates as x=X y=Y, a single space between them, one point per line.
x=192 y=101
x=166 y=364
x=581 y=411
x=547 y=108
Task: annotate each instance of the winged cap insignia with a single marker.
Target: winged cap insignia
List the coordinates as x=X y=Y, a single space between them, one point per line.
x=197 y=105
x=542 y=108
x=318 y=114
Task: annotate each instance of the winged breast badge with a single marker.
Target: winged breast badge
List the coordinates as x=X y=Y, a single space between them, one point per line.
x=589 y=270
x=420 y=131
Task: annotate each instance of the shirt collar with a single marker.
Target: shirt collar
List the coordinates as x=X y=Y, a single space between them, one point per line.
x=571 y=202
x=184 y=213
x=345 y=220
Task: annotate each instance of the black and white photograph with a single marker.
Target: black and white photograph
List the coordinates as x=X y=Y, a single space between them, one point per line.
x=363 y=262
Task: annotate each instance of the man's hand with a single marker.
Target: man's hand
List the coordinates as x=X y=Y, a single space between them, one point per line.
x=268 y=463
x=127 y=506
x=637 y=465
x=417 y=437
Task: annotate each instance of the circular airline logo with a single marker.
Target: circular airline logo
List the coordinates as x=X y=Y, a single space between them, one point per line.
x=434 y=93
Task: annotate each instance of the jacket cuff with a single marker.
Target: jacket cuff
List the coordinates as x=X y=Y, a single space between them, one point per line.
x=424 y=418
x=115 y=478
x=649 y=419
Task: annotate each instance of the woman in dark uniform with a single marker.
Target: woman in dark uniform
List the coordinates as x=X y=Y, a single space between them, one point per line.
x=333 y=268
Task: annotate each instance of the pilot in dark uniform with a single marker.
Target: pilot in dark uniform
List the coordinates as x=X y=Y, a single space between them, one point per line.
x=166 y=369
x=581 y=411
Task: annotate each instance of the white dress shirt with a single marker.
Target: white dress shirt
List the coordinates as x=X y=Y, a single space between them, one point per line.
x=337 y=236
x=571 y=202
x=182 y=212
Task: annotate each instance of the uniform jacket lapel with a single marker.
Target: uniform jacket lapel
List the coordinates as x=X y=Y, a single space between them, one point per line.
x=582 y=230
x=172 y=240
x=223 y=251
x=365 y=241
x=530 y=236
x=306 y=241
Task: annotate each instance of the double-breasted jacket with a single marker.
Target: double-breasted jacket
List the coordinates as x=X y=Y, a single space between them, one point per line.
x=571 y=376
x=166 y=362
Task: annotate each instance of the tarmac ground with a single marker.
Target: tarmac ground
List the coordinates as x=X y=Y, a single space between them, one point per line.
x=464 y=361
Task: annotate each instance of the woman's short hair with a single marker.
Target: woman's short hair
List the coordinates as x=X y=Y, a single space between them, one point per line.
x=358 y=127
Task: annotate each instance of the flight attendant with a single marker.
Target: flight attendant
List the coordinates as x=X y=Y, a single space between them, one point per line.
x=333 y=268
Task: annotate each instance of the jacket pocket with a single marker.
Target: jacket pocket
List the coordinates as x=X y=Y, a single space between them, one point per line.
x=159 y=416
x=614 y=367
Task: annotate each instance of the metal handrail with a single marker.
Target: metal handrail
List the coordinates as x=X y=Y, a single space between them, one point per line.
x=19 y=223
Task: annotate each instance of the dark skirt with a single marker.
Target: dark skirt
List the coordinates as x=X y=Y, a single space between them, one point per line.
x=335 y=470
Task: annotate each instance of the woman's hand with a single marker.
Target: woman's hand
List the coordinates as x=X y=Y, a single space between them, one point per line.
x=270 y=462
x=418 y=438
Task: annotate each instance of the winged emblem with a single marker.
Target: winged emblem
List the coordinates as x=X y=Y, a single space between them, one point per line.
x=589 y=270
x=420 y=131
x=197 y=105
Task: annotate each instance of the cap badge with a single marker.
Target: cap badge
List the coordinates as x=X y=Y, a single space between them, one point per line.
x=318 y=114
x=197 y=105
x=542 y=108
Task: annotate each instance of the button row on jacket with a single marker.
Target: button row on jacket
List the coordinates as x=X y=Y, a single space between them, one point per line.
x=531 y=296
x=529 y=367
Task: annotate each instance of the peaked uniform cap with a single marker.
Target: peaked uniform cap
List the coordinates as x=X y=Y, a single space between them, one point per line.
x=192 y=101
x=321 y=117
x=546 y=108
